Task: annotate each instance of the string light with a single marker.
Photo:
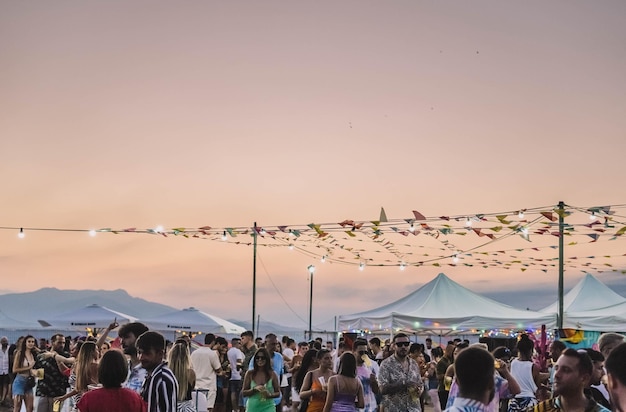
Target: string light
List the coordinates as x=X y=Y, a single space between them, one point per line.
x=323 y=259
x=455 y=258
x=520 y=214
x=361 y=266
x=21 y=234
x=92 y=233
x=159 y=229
x=468 y=222
x=291 y=246
x=412 y=228
x=592 y=216
x=224 y=237
x=402 y=266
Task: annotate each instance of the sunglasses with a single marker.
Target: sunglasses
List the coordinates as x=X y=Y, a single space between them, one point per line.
x=405 y=344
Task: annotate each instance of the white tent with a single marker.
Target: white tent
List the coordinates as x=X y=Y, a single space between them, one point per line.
x=588 y=294
x=444 y=306
x=193 y=320
x=8 y=323
x=90 y=316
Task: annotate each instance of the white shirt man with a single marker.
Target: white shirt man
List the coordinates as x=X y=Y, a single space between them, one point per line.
x=207 y=365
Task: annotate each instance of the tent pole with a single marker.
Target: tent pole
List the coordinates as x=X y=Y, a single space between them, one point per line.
x=561 y=225
x=254 y=235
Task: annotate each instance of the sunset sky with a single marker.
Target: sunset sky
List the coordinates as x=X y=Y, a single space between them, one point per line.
x=123 y=114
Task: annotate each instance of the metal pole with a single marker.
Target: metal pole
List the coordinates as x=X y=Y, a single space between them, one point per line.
x=561 y=226
x=311 y=269
x=254 y=235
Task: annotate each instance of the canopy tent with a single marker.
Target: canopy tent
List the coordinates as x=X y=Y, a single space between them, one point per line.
x=193 y=320
x=443 y=306
x=88 y=317
x=608 y=319
x=588 y=294
x=8 y=323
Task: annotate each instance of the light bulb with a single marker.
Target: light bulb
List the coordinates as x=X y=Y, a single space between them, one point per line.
x=92 y=233
x=402 y=266
x=290 y=246
x=455 y=259
x=412 y=228
x=224 y=238
x=158 y=229
x=520 y=214
x=323 y=259
x=468 y=222
x=21 y=234
x=592 y=216
x=361 y=266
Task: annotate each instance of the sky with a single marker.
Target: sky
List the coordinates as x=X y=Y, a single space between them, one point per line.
x=135 y=114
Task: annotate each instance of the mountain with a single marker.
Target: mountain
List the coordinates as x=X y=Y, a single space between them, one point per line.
x=49 y=302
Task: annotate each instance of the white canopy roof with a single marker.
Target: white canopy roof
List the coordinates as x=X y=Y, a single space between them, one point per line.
x=193 y=320
x=443 y=305
x=588 y=294
x=90 y=316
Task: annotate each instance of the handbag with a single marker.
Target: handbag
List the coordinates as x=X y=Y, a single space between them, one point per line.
x=30 y=382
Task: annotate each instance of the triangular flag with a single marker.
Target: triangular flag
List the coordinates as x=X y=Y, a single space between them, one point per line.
x=383 y=215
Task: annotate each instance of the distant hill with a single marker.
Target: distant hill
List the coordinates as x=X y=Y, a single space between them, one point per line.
x=49 y=302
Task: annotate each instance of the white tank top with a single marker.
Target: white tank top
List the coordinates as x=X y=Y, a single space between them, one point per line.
x=522 y=371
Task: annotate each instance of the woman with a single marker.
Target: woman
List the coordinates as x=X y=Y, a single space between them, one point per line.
x=23 y=368
x=112 y=373
x=309 y=363
x=345 y=387
x=315 y=385
x=84 y=373
x=526 y=373
x=179 y=362
x=261 y=384
x=222 y=379
x=442 y=366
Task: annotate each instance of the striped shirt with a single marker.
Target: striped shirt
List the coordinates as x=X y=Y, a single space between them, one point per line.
x=160 y=389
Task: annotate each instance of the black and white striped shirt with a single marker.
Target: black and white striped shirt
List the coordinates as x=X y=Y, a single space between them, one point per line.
x=160 y=390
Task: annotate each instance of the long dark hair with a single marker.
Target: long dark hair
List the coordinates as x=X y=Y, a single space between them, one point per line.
x=307 y=361
x=267 y=367
x=20 y=355
x=347 y=365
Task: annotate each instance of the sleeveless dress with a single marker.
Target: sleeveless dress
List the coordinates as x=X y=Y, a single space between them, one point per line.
x=344 y=402
x=257 y=404
x=316 y=402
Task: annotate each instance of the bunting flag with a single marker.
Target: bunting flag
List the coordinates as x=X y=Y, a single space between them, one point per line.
x=491 y=241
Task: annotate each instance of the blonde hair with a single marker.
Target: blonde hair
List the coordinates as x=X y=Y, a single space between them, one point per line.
x=179 y=363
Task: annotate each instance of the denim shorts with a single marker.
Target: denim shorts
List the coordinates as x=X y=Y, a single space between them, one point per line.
x=19 y=386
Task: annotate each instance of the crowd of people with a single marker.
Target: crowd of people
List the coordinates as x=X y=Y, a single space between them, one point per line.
x=148 y=373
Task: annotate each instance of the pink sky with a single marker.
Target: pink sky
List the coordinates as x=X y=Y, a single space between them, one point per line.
x=137 y=114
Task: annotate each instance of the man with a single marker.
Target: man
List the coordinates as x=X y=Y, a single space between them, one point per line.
x=235 y=358
x=376 y=349
x=608 y=341
x=341 y=348
x=572 y=373
x=366 y=371
x=128 y=334
x=474 y=372
x=54 y=383
x=616 y=377
x=248 y=347
x=258 y=342
x=206 y=364
x=592 y=391
x=161 y=387
x=4 y=371
x=428 y=349
x=289 y=351
x=400 y=381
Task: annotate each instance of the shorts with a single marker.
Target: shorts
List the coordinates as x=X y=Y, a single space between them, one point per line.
x=211 y=395
x=19 y=386
x=234 y=386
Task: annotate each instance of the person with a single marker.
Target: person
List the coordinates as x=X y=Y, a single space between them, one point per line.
x=526 y=373
x=556 y=348
x=572 y=373
x=206 y=364
x=84 y=373
x=431 y=375
x=399 y=378
x=376 y=349
x=315 y=385
x=367 y=372
x=474 y=371
x=608 y=341
x=248 y=347
x=161 y=387
x=179 y=362
x=428 y=349
x=616 y=377
x=112 y=372
x=221 y=398
x=276 y=359
x=23 y=368
x=54 y=382
x=592 y=391
x=309 y=363
x=235 y=358
x=345 y=387
x=260 y=384
x=128 y=334
x=4 y=370
x=443 y=387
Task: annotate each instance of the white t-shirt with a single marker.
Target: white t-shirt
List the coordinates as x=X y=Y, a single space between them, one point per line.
x=234 y=356
x=205 y=362
x=289 y=353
